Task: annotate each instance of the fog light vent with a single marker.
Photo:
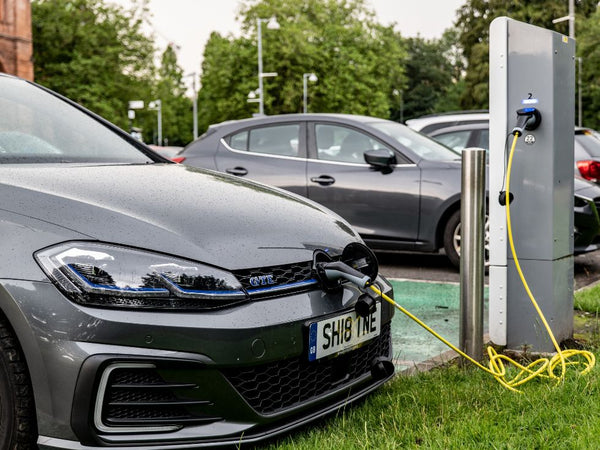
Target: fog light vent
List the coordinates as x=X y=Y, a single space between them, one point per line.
x=135 y=398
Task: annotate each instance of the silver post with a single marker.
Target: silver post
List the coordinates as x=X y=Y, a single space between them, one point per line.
x=160 y=138
x=579 y=107
x=572 y=19
x=304 y=93
x=195 y=108
x=472 y=250
x=261 y=104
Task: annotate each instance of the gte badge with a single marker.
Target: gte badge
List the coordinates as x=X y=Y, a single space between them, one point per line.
x=262 y=280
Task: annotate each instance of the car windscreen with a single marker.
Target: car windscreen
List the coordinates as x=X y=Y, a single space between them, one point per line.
x=37 y=127
x=422 y=146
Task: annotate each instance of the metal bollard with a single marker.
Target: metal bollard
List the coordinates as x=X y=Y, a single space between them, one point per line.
x=472 y=260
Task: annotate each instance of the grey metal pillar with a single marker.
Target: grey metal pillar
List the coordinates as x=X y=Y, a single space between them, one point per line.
x=472 y=252
x=531 y=67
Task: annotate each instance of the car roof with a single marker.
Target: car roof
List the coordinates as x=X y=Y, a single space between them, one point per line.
x=299 y=117
x=472 y=126
x=442 y=120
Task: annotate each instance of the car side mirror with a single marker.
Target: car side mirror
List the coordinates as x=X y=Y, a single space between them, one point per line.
x=381 y=159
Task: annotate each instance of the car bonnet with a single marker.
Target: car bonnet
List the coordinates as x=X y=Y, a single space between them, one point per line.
x=193 y=213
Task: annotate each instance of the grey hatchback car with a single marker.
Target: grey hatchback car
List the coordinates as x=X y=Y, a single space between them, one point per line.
x=134 y=315
x=399 y=189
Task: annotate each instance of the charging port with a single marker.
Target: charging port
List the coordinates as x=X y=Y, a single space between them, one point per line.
x=527 y=119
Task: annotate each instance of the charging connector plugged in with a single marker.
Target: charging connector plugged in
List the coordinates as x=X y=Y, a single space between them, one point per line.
x=527 y=119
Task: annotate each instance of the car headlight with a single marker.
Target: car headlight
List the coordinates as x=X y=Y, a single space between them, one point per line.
x=107 y=275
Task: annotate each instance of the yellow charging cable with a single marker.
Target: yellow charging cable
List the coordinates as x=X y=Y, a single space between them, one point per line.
x=542 y=367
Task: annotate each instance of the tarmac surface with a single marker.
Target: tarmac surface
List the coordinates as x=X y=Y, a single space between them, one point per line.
x=428 y=287
x=436 y=267
x=438 y=306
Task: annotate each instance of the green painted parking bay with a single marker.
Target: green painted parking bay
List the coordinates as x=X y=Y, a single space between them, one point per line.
x=438 y=306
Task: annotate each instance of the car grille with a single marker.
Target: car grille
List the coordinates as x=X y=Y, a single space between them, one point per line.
x=138 y=396
x=280 y=385
x=277 y=279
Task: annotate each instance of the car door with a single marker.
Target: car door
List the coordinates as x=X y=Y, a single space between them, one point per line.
x=273 y=154
x=383 y=207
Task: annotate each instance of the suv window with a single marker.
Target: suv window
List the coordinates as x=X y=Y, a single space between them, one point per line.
x=456 y=140
x=274 y=140
x=337 y=143
x=484 y=139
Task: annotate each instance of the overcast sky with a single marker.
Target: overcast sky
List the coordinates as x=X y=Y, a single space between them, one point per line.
x=188 y=23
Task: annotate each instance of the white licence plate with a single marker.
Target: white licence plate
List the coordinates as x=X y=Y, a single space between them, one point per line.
x=340 y=333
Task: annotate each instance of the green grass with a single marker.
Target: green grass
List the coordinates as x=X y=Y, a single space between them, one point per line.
x=588 y=299
x=454 y=407
x=465 y=408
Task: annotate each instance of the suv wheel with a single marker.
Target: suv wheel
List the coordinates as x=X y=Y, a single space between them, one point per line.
x=452 y=239
x=17 y=413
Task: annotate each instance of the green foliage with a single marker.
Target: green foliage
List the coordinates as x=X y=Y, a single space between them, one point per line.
x=588 y=299
x=93 y=52
x=434 y=72
x=358 y=62
x=587 y=48
x=473 y=22
x=228 y=74
x=176 y=107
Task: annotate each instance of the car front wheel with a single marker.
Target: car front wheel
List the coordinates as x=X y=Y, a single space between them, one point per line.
x=17 y=414
x=452 y=239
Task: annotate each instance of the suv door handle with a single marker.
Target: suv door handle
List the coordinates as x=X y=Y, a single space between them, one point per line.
x=237 y=171
x=323 y=180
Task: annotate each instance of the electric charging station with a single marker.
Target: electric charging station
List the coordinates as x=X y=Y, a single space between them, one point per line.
x=531 y=67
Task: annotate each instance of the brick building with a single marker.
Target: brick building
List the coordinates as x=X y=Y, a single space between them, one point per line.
x=16 y=48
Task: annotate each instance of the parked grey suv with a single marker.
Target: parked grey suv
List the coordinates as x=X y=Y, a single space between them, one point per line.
x=136 y=315
x=459 y=130
x=399 y=189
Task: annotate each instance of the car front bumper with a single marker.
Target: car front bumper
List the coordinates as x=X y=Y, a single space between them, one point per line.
x=139 y=379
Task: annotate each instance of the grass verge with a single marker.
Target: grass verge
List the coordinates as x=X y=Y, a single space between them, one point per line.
x=588 y=299
x=455 y=407
x=463 y=407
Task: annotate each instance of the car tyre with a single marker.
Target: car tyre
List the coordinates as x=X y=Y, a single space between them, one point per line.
x=452 y=239
x=17 y=412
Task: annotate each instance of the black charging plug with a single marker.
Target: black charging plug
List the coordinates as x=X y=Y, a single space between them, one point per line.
x=502 y=198
x=527 y=119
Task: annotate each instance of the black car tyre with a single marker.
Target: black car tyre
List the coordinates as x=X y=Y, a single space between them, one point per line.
x=17 y=417
x=452 y=239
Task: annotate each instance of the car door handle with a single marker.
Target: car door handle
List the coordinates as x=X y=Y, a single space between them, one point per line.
x=323 y=180
x=237 y=171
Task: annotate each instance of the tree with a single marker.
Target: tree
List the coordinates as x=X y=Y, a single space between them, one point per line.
x=358 y=62
x=473 y=22
x=94 y=53
x=433 y=72
x=588 y=31
x=176 y=107
x=228 y=75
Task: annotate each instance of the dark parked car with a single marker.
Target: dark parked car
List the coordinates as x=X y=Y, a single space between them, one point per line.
x=133 y=315
x=399 y=189
x=471 y=129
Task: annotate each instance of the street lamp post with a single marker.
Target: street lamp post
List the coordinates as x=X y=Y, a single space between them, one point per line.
x=272 y=24
x=157 y=106
x=305 y=79
x=195 y=109
x=571 y=19
x=398 y=93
